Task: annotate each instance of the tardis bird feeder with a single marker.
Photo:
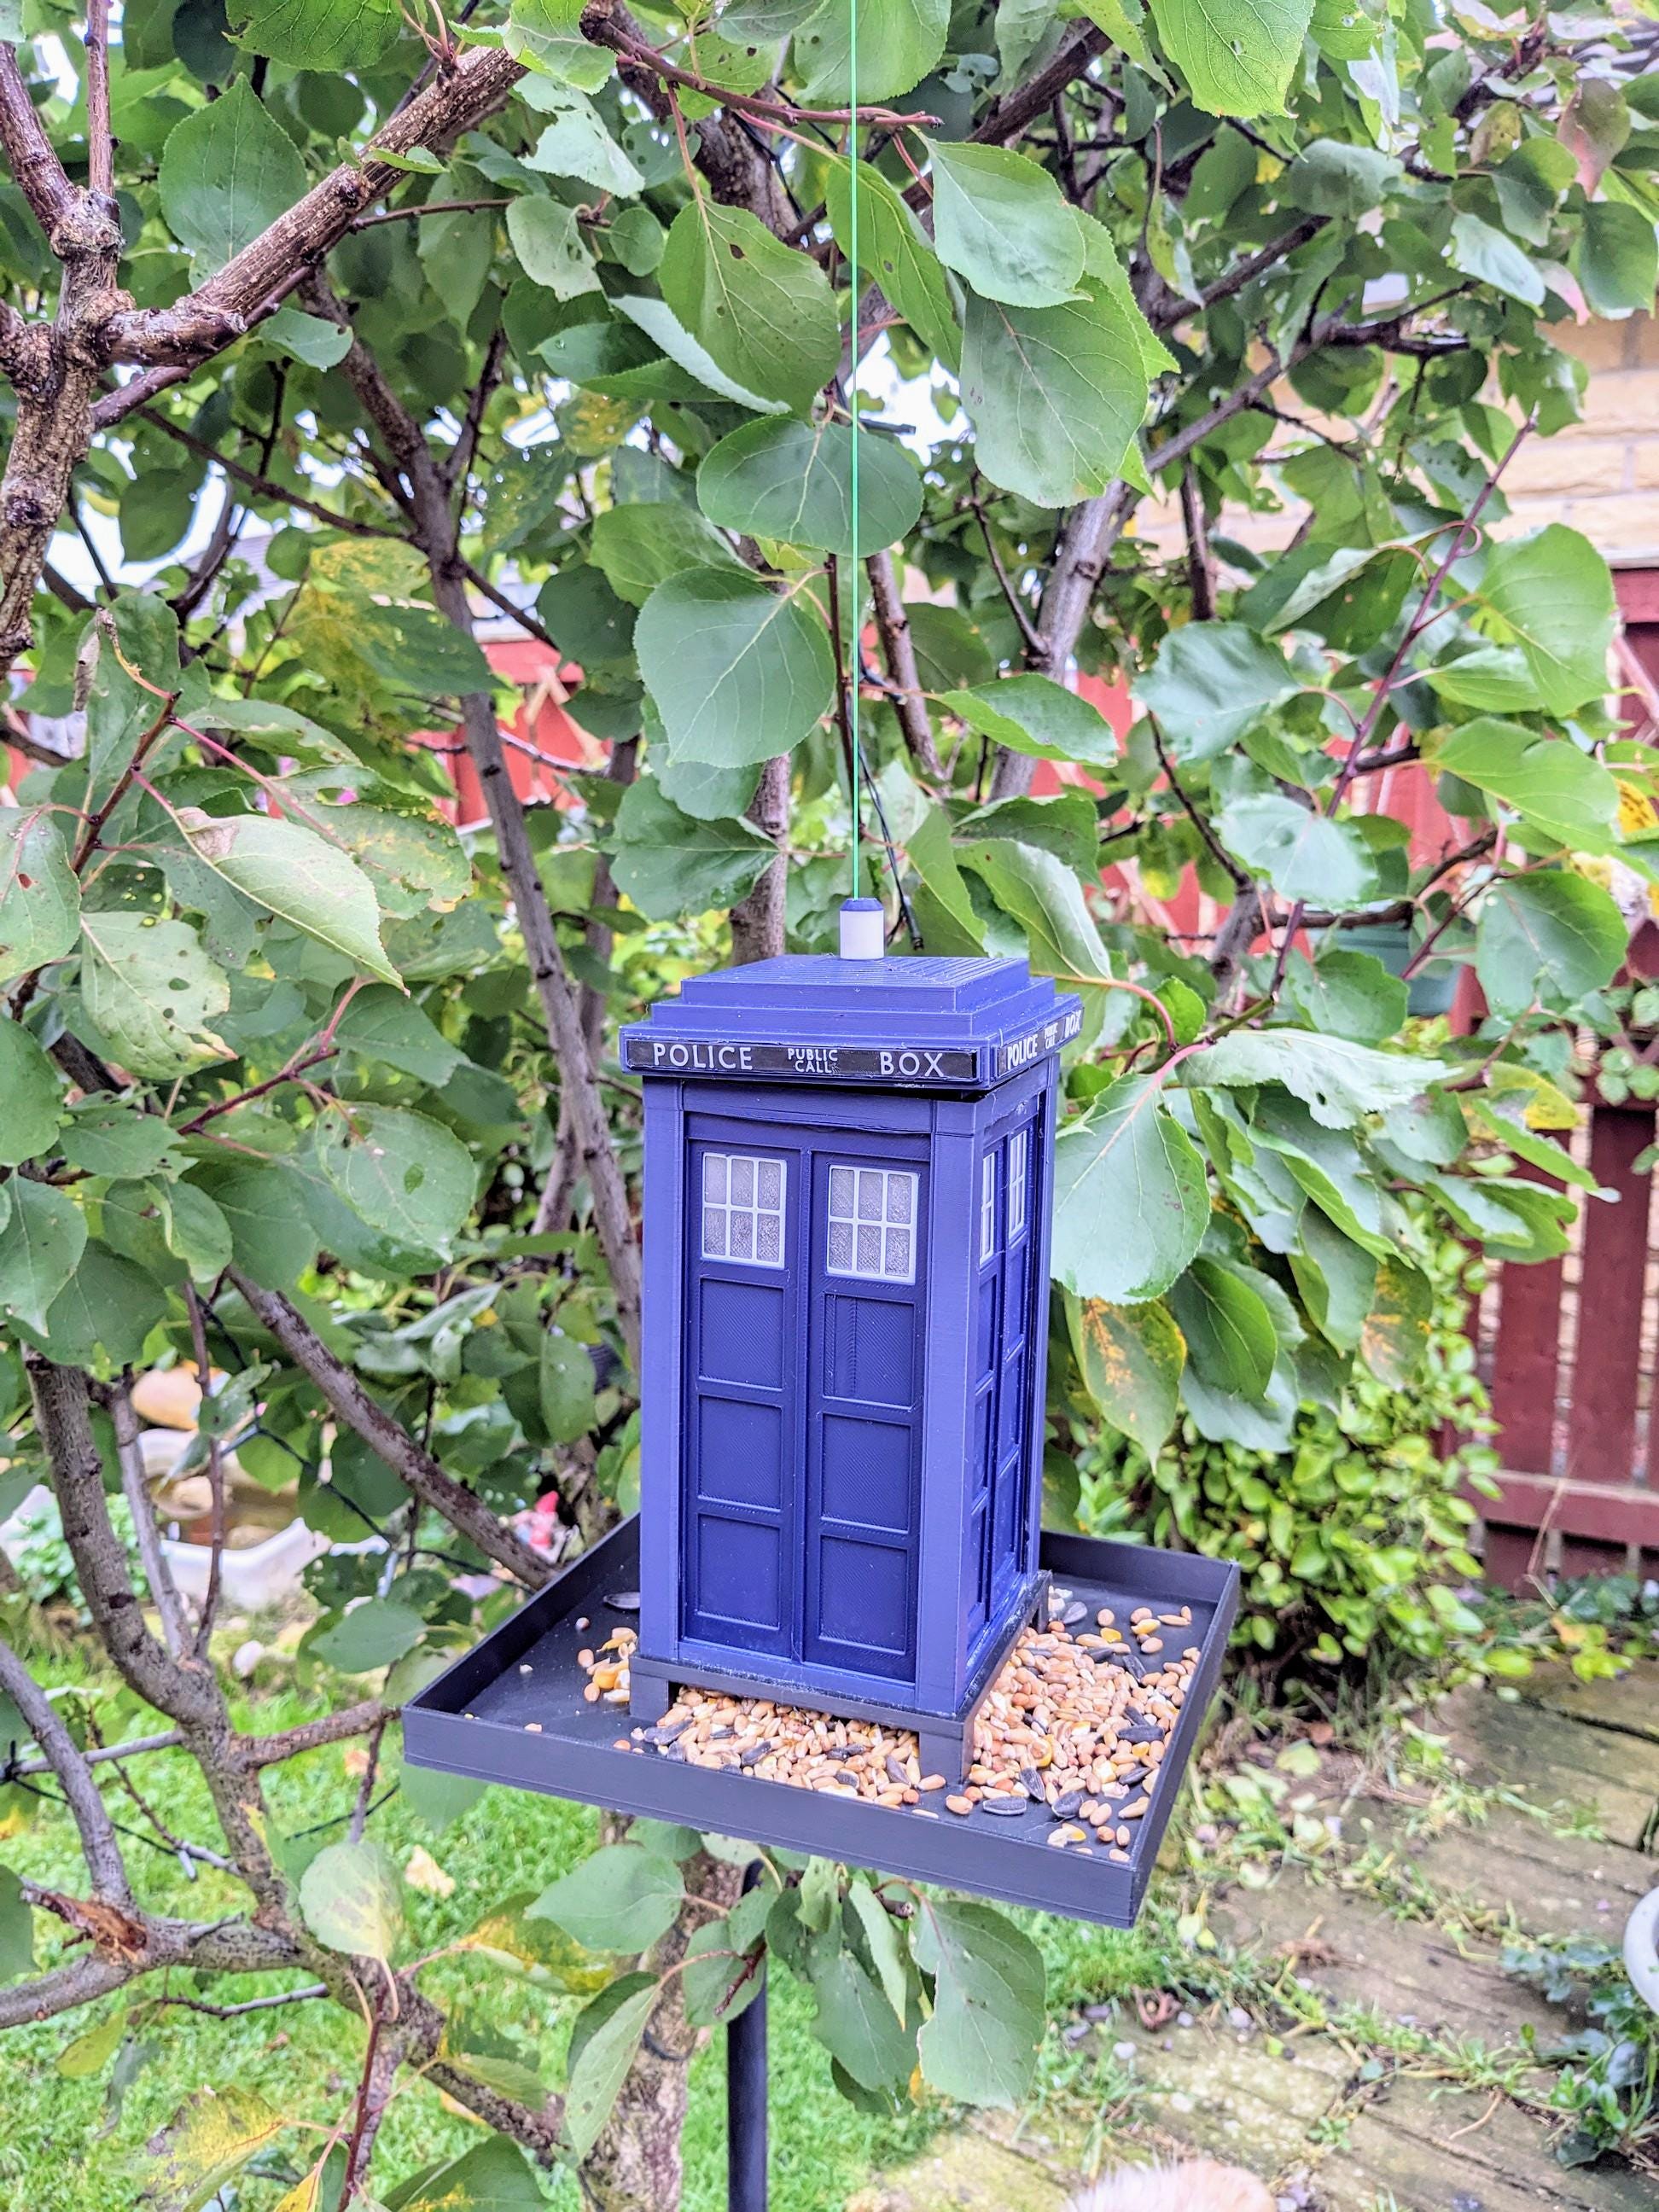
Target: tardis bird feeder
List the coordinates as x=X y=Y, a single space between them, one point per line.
x=848 y=1190
x=847 y=1210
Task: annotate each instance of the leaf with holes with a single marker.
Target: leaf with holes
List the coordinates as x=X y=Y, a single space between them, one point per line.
x=550 y=248
x=150 y=992
x=600 y=2057
x=1237 y=59
x=547 y=35
x=787 y=479
x=227 y=171
x=351 y=1898
x=895 y=253
x=576 y=142
x=294 y=873
x=1131 y=1205
x=898 y=42
x=764 y=314
x=40 y=898
x=405 y=1174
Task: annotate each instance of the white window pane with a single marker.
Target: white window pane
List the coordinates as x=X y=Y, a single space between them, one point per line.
x=714 y=1177
x=769 y=1238
x=714 y=1233
x=841 y=1247
x=770 y=1184
x=869 y=1251
x=743 y=1181
x=898 y=1254
x=841 y=1192
x=901 y=1197
x=743 y=1235
x=870 y=1183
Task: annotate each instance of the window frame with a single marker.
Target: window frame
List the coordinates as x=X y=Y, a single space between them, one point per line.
x=729 y=1210
x=1019 y=1179
x=885 y=1223
x=988 y=1207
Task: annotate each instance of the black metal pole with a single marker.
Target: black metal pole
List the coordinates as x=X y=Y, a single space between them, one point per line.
x=745 y=2095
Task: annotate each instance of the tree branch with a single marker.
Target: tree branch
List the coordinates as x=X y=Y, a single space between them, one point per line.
x=98 y=1845
x=899 y=651
x=30 y=156
x=464 y=1510
x=311 y=1735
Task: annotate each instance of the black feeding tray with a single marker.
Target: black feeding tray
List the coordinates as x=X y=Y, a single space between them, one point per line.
x=473 y=1721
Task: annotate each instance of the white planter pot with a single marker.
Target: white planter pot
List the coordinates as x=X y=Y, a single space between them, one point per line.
x=1642 y=1948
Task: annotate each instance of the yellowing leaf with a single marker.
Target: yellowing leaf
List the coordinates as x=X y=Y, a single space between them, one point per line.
x=1637 y=815
x=210 y=2139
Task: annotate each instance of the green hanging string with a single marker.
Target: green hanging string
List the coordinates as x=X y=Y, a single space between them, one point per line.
x=853 y=577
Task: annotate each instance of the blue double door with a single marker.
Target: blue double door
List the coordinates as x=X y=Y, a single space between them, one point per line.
x=1006 y=1308
x=801 y=1480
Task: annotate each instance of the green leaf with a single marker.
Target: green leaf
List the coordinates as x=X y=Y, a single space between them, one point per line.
x=670 y=864
x=1222 y=1417
x=854 y=2022
x=576 y=143
x=1617 y=259
x=33 y=1094
x=40 y=898
x=195 y=1230
x=43 y=1238
x=351 y=1898
x=16 y=1930
x=118 y=708
x=620 y=1899
x=547 y=35
x=600 y=2065
x=1064 y=824
x=660 y=323
x=1231 y=1338
x=1045 y=897
x=1056 y=394
x=206 y=2144
x=1337 y=1279
x=1333 y=177
x=1552 y=937
x=1210 y=683
x=1349 y=994
x=228 y=170
x=895 y=253
x=550 y=248
x=763 y=313
x=317 y=34
x=296 y=873
x=723 y=1976
x=779 y=477
x=640 y=545
x=898 y=42
x=110 y=1139
x=151 y=992
x=405 y=1174
x=1491 y=257
x=271 y=1234
x=491 y=2177
x=1328 y=1165
x=1558 y=789
x=738 y=672
x=1235 y=60
x=1036 y=715
x=108 y=1305
x=1000 y=222
x=565 y=1384
x=1301 y=852
x=1491 y=676
x=1131 y=1204
x=1131 y=1358
x=1551 y=595
x=882 y=1938
x=1339 y=1081
x=382 y=1025
x=980 y=2045
x=705 y=793
x=371 y=1635
x=309 y=339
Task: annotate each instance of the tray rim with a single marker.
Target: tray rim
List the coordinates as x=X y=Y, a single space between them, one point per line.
x=955 y=1854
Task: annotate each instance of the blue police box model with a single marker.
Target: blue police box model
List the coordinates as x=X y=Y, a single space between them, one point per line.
x=846 y=1208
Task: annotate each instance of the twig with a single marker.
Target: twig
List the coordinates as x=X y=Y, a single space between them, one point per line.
x=899 y=650
x=248 y=2004
x=216 y=1469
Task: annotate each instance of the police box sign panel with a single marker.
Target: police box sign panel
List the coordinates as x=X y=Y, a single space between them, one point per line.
x=896 y=1064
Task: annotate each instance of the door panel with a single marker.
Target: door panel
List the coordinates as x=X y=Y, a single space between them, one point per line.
x=742 y=1415
x=1016 y=1261
x=863 y=1473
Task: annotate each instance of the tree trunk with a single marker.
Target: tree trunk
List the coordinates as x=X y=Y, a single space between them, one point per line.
x=757 y=922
